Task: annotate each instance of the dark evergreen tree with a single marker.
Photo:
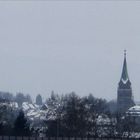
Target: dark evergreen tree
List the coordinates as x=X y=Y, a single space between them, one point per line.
x=75 y=116
x=21 y=126
x=38 y=99
x=52 y=129
x=1 y=129
x=6 y=96
x=20 y=98
x=28 y=98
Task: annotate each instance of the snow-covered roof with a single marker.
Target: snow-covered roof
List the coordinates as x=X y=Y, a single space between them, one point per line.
x=135 y=108
x=44 y=107
x=134 y=111
x=35 y=112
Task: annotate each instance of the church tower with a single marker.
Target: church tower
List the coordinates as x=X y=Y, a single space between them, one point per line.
x=124 y=97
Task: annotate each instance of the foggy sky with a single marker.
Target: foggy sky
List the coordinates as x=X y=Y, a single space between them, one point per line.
x=69 y=46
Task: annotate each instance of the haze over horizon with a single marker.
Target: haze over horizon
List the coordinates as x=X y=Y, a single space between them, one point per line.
x=69 y=46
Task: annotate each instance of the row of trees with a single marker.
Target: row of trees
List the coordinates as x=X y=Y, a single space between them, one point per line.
x=72 y=116
x=89 y=116
x=78 y=116
x=20 y=98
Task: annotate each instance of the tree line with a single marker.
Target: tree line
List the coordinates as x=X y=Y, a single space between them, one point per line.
x=73 y=116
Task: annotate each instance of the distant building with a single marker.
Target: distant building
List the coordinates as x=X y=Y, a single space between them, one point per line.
x=124 y=94
x=133 y=115
x=134 y=111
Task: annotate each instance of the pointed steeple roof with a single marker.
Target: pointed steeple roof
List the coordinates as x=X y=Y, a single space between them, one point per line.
x=124 y=76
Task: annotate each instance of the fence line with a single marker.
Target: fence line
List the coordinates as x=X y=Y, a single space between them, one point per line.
x=59 y=138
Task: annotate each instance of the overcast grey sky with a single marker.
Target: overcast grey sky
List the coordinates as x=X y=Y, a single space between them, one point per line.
x=69 y=46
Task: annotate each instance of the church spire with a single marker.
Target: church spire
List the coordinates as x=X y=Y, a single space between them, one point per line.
x=124 y=93
x=124 y=76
